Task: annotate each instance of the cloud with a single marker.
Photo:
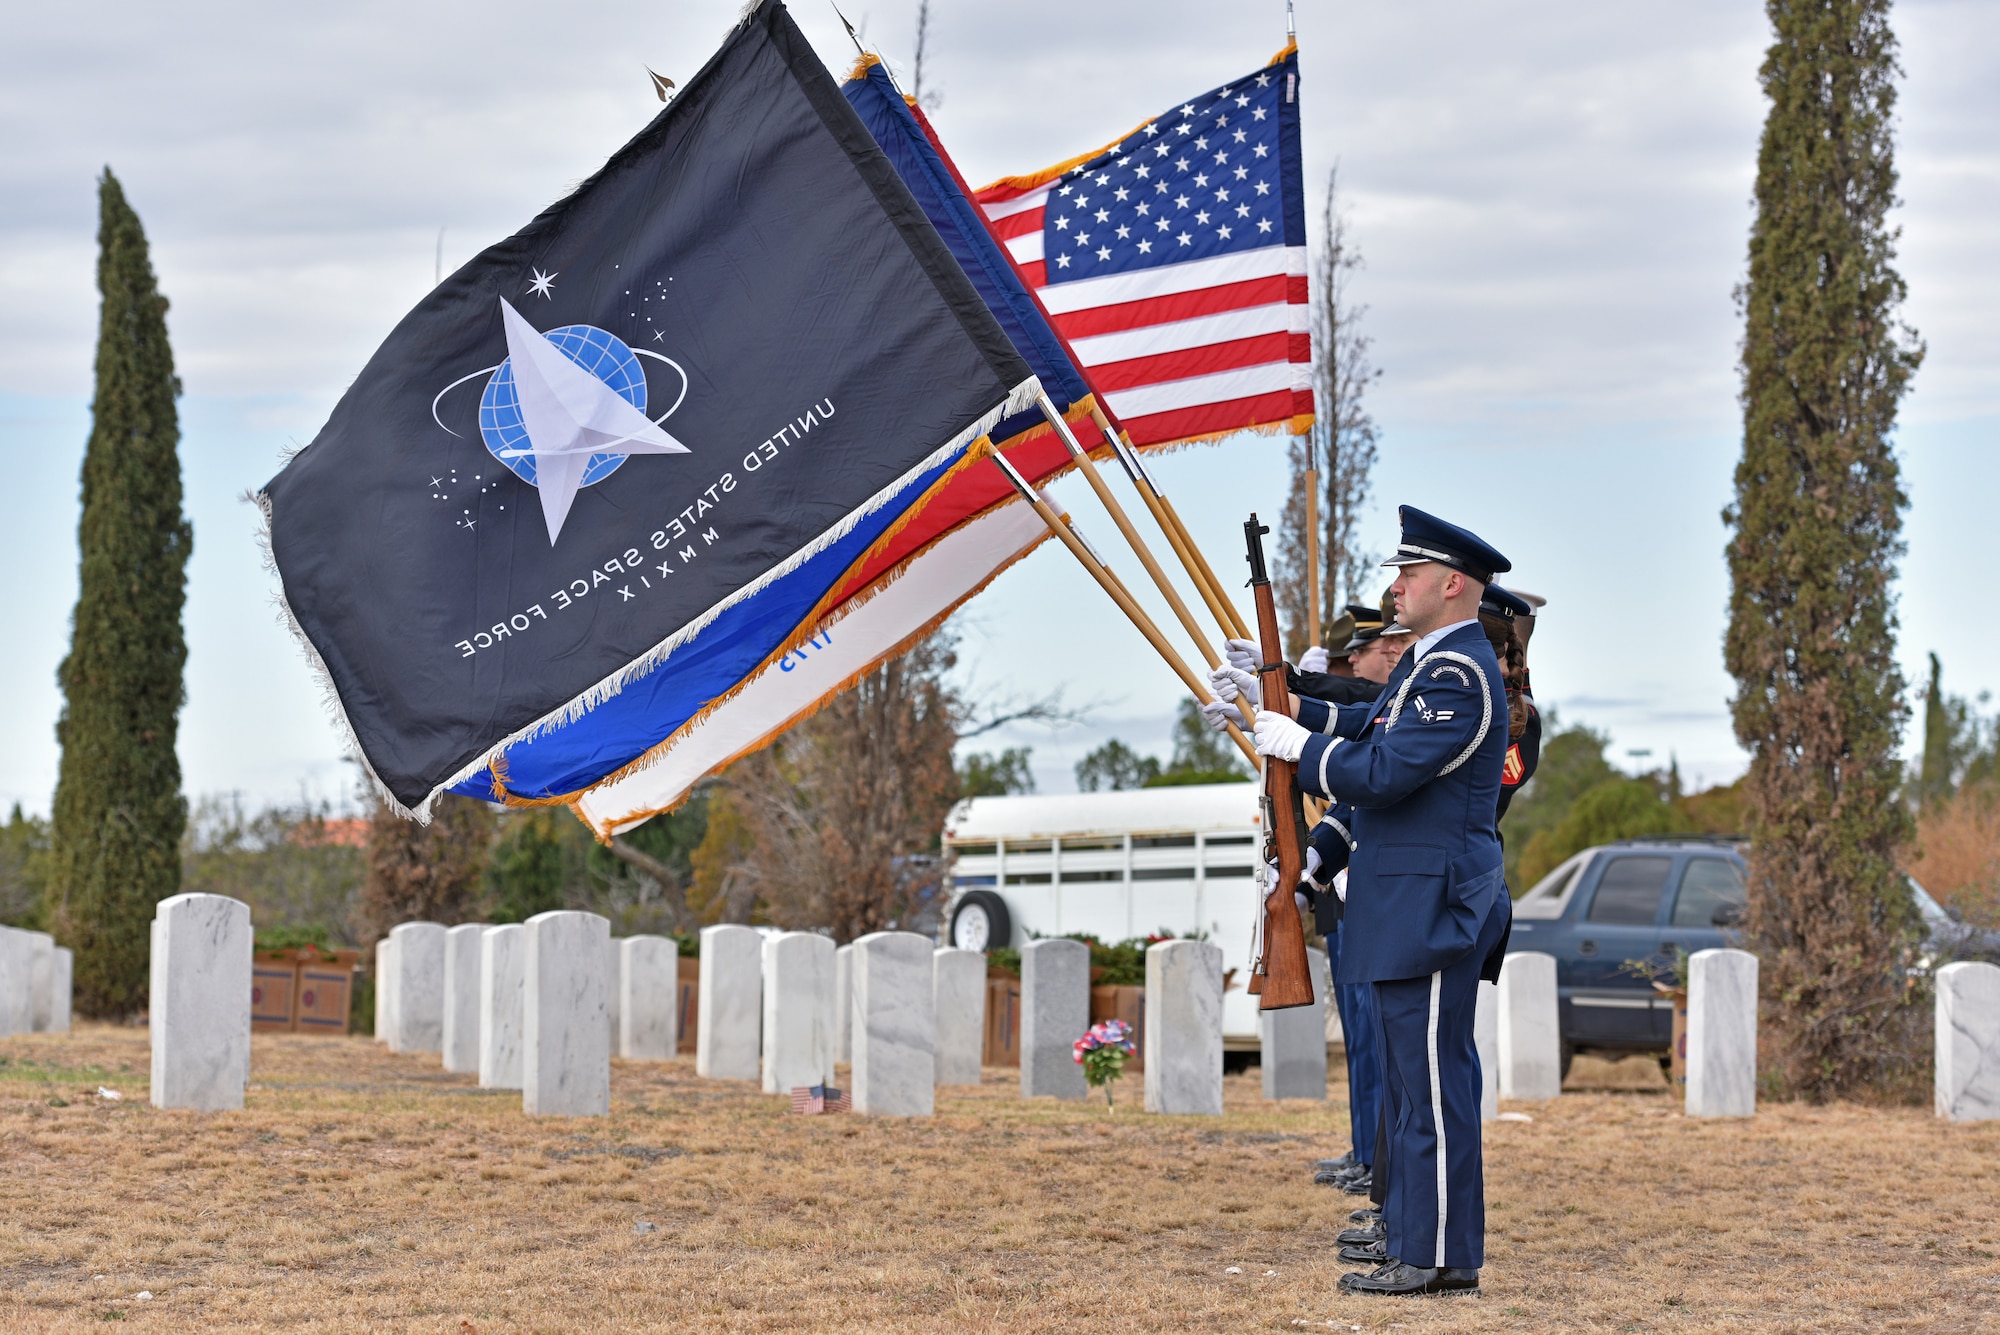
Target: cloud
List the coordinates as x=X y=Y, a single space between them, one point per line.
x=1552 y=198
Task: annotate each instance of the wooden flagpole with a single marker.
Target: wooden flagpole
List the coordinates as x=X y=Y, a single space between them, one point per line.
x=1219 y=604
x=1118 y=517
x=1312 y=542
x=1066 y=531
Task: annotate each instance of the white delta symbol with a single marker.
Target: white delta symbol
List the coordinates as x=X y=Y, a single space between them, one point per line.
x=566 y=409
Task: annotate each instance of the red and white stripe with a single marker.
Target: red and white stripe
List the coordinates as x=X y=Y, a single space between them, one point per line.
x=1180 y=351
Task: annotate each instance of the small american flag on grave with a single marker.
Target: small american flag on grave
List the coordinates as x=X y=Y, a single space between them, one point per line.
x=815 y=1099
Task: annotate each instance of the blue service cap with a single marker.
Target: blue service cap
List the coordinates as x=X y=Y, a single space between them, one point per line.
x=1428 y=538
x=1501 y=602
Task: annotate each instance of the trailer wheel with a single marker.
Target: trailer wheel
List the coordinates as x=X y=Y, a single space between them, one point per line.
x=980 y=922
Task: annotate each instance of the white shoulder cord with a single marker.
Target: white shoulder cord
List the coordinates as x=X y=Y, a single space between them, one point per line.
x=1485 y=701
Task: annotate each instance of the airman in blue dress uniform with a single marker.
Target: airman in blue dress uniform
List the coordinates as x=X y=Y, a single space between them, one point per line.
x=1421 y=768
x=1361 y=639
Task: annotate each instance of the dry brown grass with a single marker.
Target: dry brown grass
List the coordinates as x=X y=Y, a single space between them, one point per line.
x=362 y=1191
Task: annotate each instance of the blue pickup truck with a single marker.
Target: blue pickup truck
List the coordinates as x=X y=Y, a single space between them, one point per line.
x=1614 y=914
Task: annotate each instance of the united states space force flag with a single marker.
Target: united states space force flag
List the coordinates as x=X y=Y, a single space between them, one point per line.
x=727 y=351
x=735 y=666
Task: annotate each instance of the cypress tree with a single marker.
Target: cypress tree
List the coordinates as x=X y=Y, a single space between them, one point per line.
x=1943 y=730
x=119 y=813
x=1817 y=522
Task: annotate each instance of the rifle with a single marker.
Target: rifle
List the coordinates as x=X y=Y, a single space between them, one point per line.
x=1282 y=967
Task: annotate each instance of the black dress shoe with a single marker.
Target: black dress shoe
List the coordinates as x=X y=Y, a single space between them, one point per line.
x=1341 y=1164
x=1336 y=1177
x=1361 y=1237
x=1358 y=1184
x=1369 y=1253
x=1398 y=1280
x=1367 y=1214
x=1353 y=1277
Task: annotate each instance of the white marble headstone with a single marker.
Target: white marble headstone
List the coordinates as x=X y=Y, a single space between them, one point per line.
x=1968 y=1042
x=1722 y=1034
x=419 y=987
x=200 y=1017
x=895 y=1029
x=460 y=1031
x=1530 y=1041
x=958 y=997
x=503 y=963
x=385 y=990
x=62 y=989
x=565 y=1039
x=1486 y=1043
x=17 y=986
x=41 y=979
x=843 y=1004
x=1292 y=1042
x=729 y=1015
x=649 y=983
x=614 y=985
x=1184 y=1028
x=1055 y=1013
x=798 y=1021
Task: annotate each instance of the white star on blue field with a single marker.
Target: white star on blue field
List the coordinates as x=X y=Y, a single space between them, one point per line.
x=1200 y=180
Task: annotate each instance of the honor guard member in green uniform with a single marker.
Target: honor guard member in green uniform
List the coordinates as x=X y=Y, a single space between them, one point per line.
x=1329 y=658
x=1311 y=677
x=1379 y=642
x=1426 y=903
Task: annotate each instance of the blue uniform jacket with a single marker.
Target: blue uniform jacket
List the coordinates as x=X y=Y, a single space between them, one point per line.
x=1421 y=770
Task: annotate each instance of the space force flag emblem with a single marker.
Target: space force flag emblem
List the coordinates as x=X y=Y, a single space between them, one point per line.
x=735 y=345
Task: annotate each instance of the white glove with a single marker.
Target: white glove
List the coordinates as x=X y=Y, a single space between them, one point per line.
x=1305 y=905
x=1313 y=866
x=1313 y=659
x=1280 y=735
x=1229 y=682
x=1340 y=884
x=1243 y=654
x=1220 y=714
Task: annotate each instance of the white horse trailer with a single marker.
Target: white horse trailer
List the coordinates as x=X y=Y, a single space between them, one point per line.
x=1116 y=865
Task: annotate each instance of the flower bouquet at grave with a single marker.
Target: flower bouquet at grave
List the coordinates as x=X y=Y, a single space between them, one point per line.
x=1102 y=1053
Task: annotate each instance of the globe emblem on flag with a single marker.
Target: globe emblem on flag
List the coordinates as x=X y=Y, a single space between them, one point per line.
x=598 y=351
x=565 y=408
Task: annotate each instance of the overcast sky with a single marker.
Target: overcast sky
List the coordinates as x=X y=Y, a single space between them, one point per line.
x=1552 y=200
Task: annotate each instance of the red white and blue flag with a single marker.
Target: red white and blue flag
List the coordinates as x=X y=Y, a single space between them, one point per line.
x=1174 y=262
x=1190 y=331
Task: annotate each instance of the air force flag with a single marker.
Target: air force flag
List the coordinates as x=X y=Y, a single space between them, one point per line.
x=727 y=350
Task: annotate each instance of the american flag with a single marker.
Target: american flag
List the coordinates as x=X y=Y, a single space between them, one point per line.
x=1174 y=262
x=814 y=1099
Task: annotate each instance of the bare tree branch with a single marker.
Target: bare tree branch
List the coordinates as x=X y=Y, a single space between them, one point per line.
x=1049 y=711
x=1343 y=440
x=673 y=893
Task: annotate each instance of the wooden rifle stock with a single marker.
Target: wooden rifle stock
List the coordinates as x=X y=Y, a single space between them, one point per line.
x=1283 y=969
